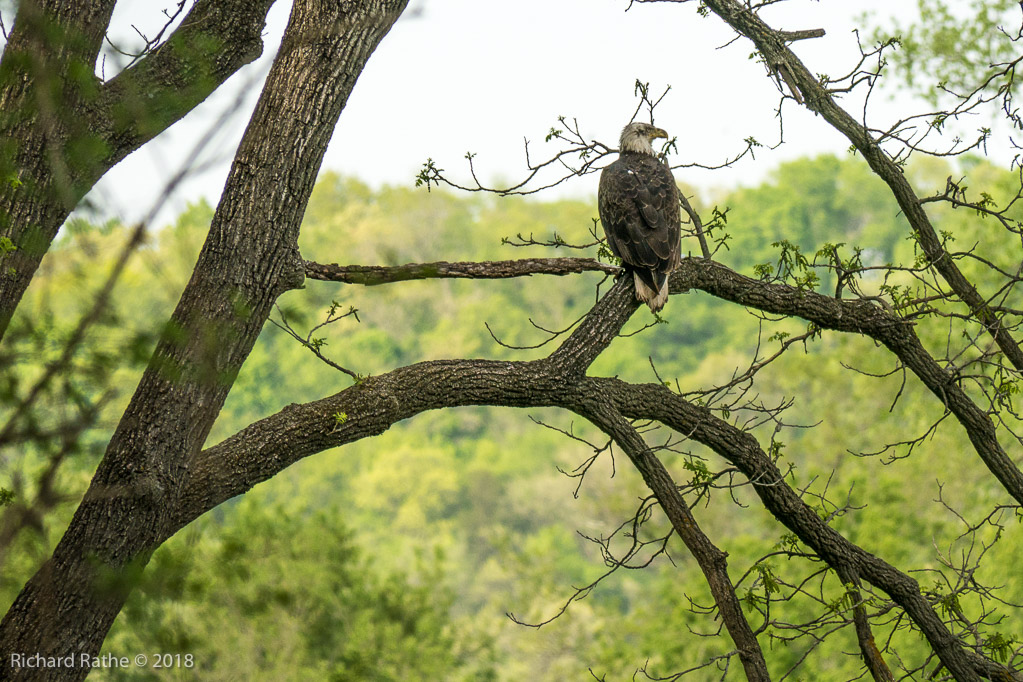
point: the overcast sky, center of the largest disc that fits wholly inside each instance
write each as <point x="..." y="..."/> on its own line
<point x="460" y="75"/>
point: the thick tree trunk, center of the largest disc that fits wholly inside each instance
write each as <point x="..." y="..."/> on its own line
<point x="61" y="128"/>
<point x="250" y="257"/>
<point x="40" y="107"/>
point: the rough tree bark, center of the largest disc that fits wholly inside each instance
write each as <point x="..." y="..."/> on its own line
<point x="250" y="257"/>
<point x="62" y="128"/>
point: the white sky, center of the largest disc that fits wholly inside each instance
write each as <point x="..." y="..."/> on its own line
<point x="460" y="75"/>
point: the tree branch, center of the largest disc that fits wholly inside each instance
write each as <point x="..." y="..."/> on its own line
<point x="872" y="657"/>
<point x="653" y="401"/>
<point x="772" y="44"/>
<point x="213" y="41"/>
<point x="712" y="561"/>
<point x="859" y="317"/>
<point x="793" y="36"/>
<point x="372" y="275"/>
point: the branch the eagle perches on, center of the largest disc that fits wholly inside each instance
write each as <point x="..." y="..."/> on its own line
<point x="560" y="380"/>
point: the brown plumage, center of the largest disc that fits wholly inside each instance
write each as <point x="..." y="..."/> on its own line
<point x="639" y="209"/>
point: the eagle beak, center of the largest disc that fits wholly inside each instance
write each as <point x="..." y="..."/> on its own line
<point x="658" y="132"/>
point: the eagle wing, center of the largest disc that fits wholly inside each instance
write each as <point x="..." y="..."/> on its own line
<point x="639" y="209"/>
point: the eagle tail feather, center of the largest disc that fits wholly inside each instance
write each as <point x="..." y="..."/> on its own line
<point x="655" y="297"/>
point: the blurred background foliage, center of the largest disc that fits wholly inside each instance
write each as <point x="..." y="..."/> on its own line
<point x="398" y="557"/>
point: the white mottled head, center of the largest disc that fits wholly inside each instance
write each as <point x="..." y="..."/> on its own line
<point x="638" y="137"/>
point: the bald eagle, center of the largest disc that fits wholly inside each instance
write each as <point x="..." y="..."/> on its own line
<point x="639" y="209"/>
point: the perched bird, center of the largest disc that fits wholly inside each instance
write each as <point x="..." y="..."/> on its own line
<point x="639" y="209"/>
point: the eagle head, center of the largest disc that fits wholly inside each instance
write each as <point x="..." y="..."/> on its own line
<point x="637" y="137"/>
